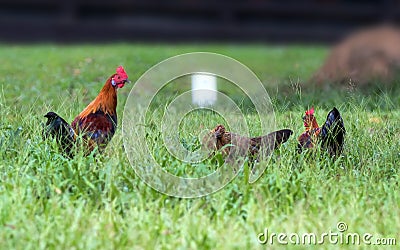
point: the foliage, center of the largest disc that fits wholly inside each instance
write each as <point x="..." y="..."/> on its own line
<point x="49" y="202"/>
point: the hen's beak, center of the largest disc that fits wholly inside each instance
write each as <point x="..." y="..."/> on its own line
<point x="217" y="134"/>
<point x="127" y="81"/>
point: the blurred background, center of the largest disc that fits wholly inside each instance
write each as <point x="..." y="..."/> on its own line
<point x="295" y="47"/>
<point x="278" y="21"/>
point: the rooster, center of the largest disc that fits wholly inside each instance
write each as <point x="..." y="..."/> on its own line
<point x="220" y="139"/>
<point x="96" y="124"/>
<point x="330" y="137"/>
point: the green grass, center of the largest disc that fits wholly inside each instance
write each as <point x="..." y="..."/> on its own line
<point x="49" y="202"/>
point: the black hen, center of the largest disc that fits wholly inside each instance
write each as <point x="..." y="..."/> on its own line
<point x="57" y="127"/>
<point x="332" y="133"/>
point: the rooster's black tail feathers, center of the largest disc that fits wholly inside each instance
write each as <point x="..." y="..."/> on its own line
<point x="332" y="133"/>
<point x="58" y="128"/>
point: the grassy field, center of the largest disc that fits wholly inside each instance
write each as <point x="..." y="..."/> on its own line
<point x="50" y="202"/>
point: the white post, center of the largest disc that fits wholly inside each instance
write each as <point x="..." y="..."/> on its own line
<point x="204" y="89"/>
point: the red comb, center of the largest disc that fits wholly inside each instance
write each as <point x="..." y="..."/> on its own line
<point x="121" y="72"/>
<point x="310" y="111"/>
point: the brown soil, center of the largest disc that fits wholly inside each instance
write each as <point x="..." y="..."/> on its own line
<point x="364" y="57"/>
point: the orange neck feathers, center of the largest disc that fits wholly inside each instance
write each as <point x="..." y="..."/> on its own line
<point x="106" y="101"/>
<point x="310" y="122"/>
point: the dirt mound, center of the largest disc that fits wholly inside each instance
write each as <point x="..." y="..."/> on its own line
<point x="365" y="57"/>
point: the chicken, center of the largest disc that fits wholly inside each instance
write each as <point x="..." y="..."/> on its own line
<point x="330" y="137"/>
<point x="220" y="139"/>
<point x="96" y="124"/>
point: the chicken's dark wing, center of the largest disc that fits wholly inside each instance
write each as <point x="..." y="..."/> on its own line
<point x="97" y="127"/>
